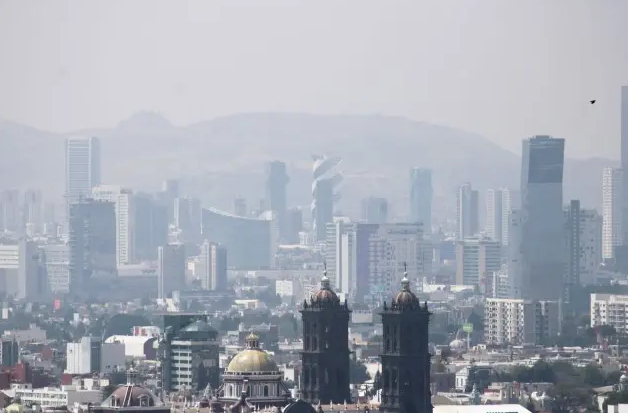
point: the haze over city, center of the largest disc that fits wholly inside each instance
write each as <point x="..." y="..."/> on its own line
<point x="309" y="207"/>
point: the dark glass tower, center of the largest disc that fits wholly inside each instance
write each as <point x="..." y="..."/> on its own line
<point x="325" y="355"/>
<point x="405" y="355"/>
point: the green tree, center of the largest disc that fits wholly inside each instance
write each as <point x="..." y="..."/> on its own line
<point x="357" y="371"/>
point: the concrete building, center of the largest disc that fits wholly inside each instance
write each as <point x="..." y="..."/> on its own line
<point x="92" y="240"/>
<point x="82" y="169"/>
<point x="57" y="266"/>
<point x="612" y="211"/>
<point x="136" y="346"/>
<point x="467" y="212"/>
<point x="583" y="237"/>
<point x="170" y="269"/>
<point x="90" y="355"/>
<point x="33" y="210"/>
<point x="544" y="253"/>
<point x="624" y="159"/>
<point x="213" y="261"/>
<point x="611" y="310"/>
<point x="421" y="194"/>
<point x="56" y="397"/>
<point x="10" y="219"/>
<point x="340" y="254"/>
<point x="22" y="272"/>
<point x="122" y="199"/>
<point x="498" y="208"/>
<point x="518" y="322"/>
<point x="476" y="261"/>
<point x="9" y="351"/>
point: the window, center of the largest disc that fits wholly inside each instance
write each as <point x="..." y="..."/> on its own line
<point x="266" y="390"/>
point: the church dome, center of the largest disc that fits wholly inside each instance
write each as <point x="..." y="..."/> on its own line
<point x="325" y="294"/>
<point x="129" y="395"/>
<point x="252" y="359"/>
<point x="405" y="298"/>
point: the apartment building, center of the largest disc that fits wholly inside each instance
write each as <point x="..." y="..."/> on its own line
<point x="518" y="321"/>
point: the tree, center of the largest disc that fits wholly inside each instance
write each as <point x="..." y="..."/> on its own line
<point x="357" y="371"/>
<point x="476" y="320"/>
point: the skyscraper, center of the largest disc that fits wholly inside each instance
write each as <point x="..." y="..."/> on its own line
<point x="544" y="257"/>
<point x="624" y="158"/>
<point x="612" y="211"/>
<point x="468" y="214"/>
<point x="82" y="168"/>
<point x="498" y="214"/>
<point x="10" y="211"/>
<point x="325" y="180"/>
<point x="170" y="269"/>
<point x="33" y="209"/>
<point x="276" y="182"/>
<point x="123" y="199"/>
<point x="421" y="194"/>
<point x="374" y="210"/>
<point x="213" y="266"/>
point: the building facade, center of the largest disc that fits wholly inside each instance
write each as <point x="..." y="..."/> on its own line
<point x="324" y="183"/>
<point x="421" y="194"/>
<point x="612" y="211"/>
<point x="123" y="201"/>
<point x="498" y="208"/>
<point x="170" y="269"/>
<point x="467" y="212"/>
<point x="518" y="321"/>
<point x="476" y="261"/>
<point x="82" y="168"/>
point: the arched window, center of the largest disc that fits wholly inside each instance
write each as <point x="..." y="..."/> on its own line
<point x="266" y="391"/>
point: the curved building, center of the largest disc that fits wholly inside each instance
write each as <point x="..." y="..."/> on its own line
<point x="250" y="242"/>
<point x="325" y="180"/>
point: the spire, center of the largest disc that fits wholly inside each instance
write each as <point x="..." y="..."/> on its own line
<point x="405" y="282"/>
<point x="325" y="280"/>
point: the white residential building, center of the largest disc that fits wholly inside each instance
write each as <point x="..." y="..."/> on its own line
<point x="517" y="321"/>
<point x="90" y="355"/>
<point x="125" y="219"/>
<point x="48" y="397"/>
<point x="22" y="274"/>
<point x="340" y="254"/>
<point x="57" y="264"/>
<point x="612" y="227"/>
<point x="476" y="261"/>
<point x="610" y="309"/>
<point x="498" y="207"/>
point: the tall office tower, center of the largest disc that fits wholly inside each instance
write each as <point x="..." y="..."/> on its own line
<point x="213" y="266"/>
<point x="187" y="218"/>
<point x="624" y="159"/>
<point x="92" y="240"/>
<point x="82" y="169"/>
<point x="276" y="182"/>
<point x="498" y="214"/>
<point x="340" y="254"/>
<point x="405" y="354"/>
<point x="294" y="224"/>
<point x="468" y="213"/>
<point x="325" y="355"/>
<point x="374" y="210"/>
<point x="239" y="207"/>
<point x="151" y="226"/>
<point x="33" y="209"/>
<point x="325" y="180"/>
<point x="10" y="211"/>
<point x="583" y="236"/>
<point x="171" y="187"/>
<point x="122" y="198"/>
<point x="543" y="248"/>
<point x="612" y="211"/>
<point x="476" y="261"/>
<point x="514" y="278"/>
<point x="22" y="272"/>
<point x="170" y="269"/>
<point x="421" y="194"/>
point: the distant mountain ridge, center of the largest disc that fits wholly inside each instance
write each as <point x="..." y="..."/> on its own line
<point x="223" y="158"/>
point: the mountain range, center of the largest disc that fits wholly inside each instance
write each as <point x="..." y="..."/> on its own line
<point x="221" y="159"/>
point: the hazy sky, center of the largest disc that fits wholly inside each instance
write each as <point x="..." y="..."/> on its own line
<point x="505" y="69"/>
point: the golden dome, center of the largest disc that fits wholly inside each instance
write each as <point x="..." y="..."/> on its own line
<point x="252" y="359"/>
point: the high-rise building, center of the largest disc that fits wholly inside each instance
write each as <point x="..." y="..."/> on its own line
<point x="276" y="200"/>
<point x="518" y="322"/>
<point x="624" y="159"/>
<point x="82" y="169"/>
<point x="421" y="193"/>
<point x="33" y="209"/>
<point x="10" y="219"/>
<point x="22" y="272"/>
<point x="325" y="355"/>
<point x="612" y="211"/>
<point x="187" y="218"/>
<point x="57" y="264"/>
<point x="9" y="351"/>
<point x="91" y="356"/>
<point x="467" y="212"/>
<point x="213" y="266"/>
<point x="92" y="240"/>
<point x="294" y="224"/>
<point x="325" y="180"/>
<point x="151" y="226"/>
<point x="544" y="256"/>
<point x="405" y="354"/>
<point x="170" y="269"/>
<point x="123" y="200"/>
<point x="498" y="214"/>
<point x="340" y="254"/>
<point x="476" y="261"/>
<point x="374" y="210"/>
<point x="583" y="237"/>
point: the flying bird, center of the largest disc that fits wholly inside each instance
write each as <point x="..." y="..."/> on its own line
<point x="592" y="102"/>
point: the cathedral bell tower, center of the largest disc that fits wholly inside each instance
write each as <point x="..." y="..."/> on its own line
<point x="405" y="355"/>
<point x="325" y="355"/>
